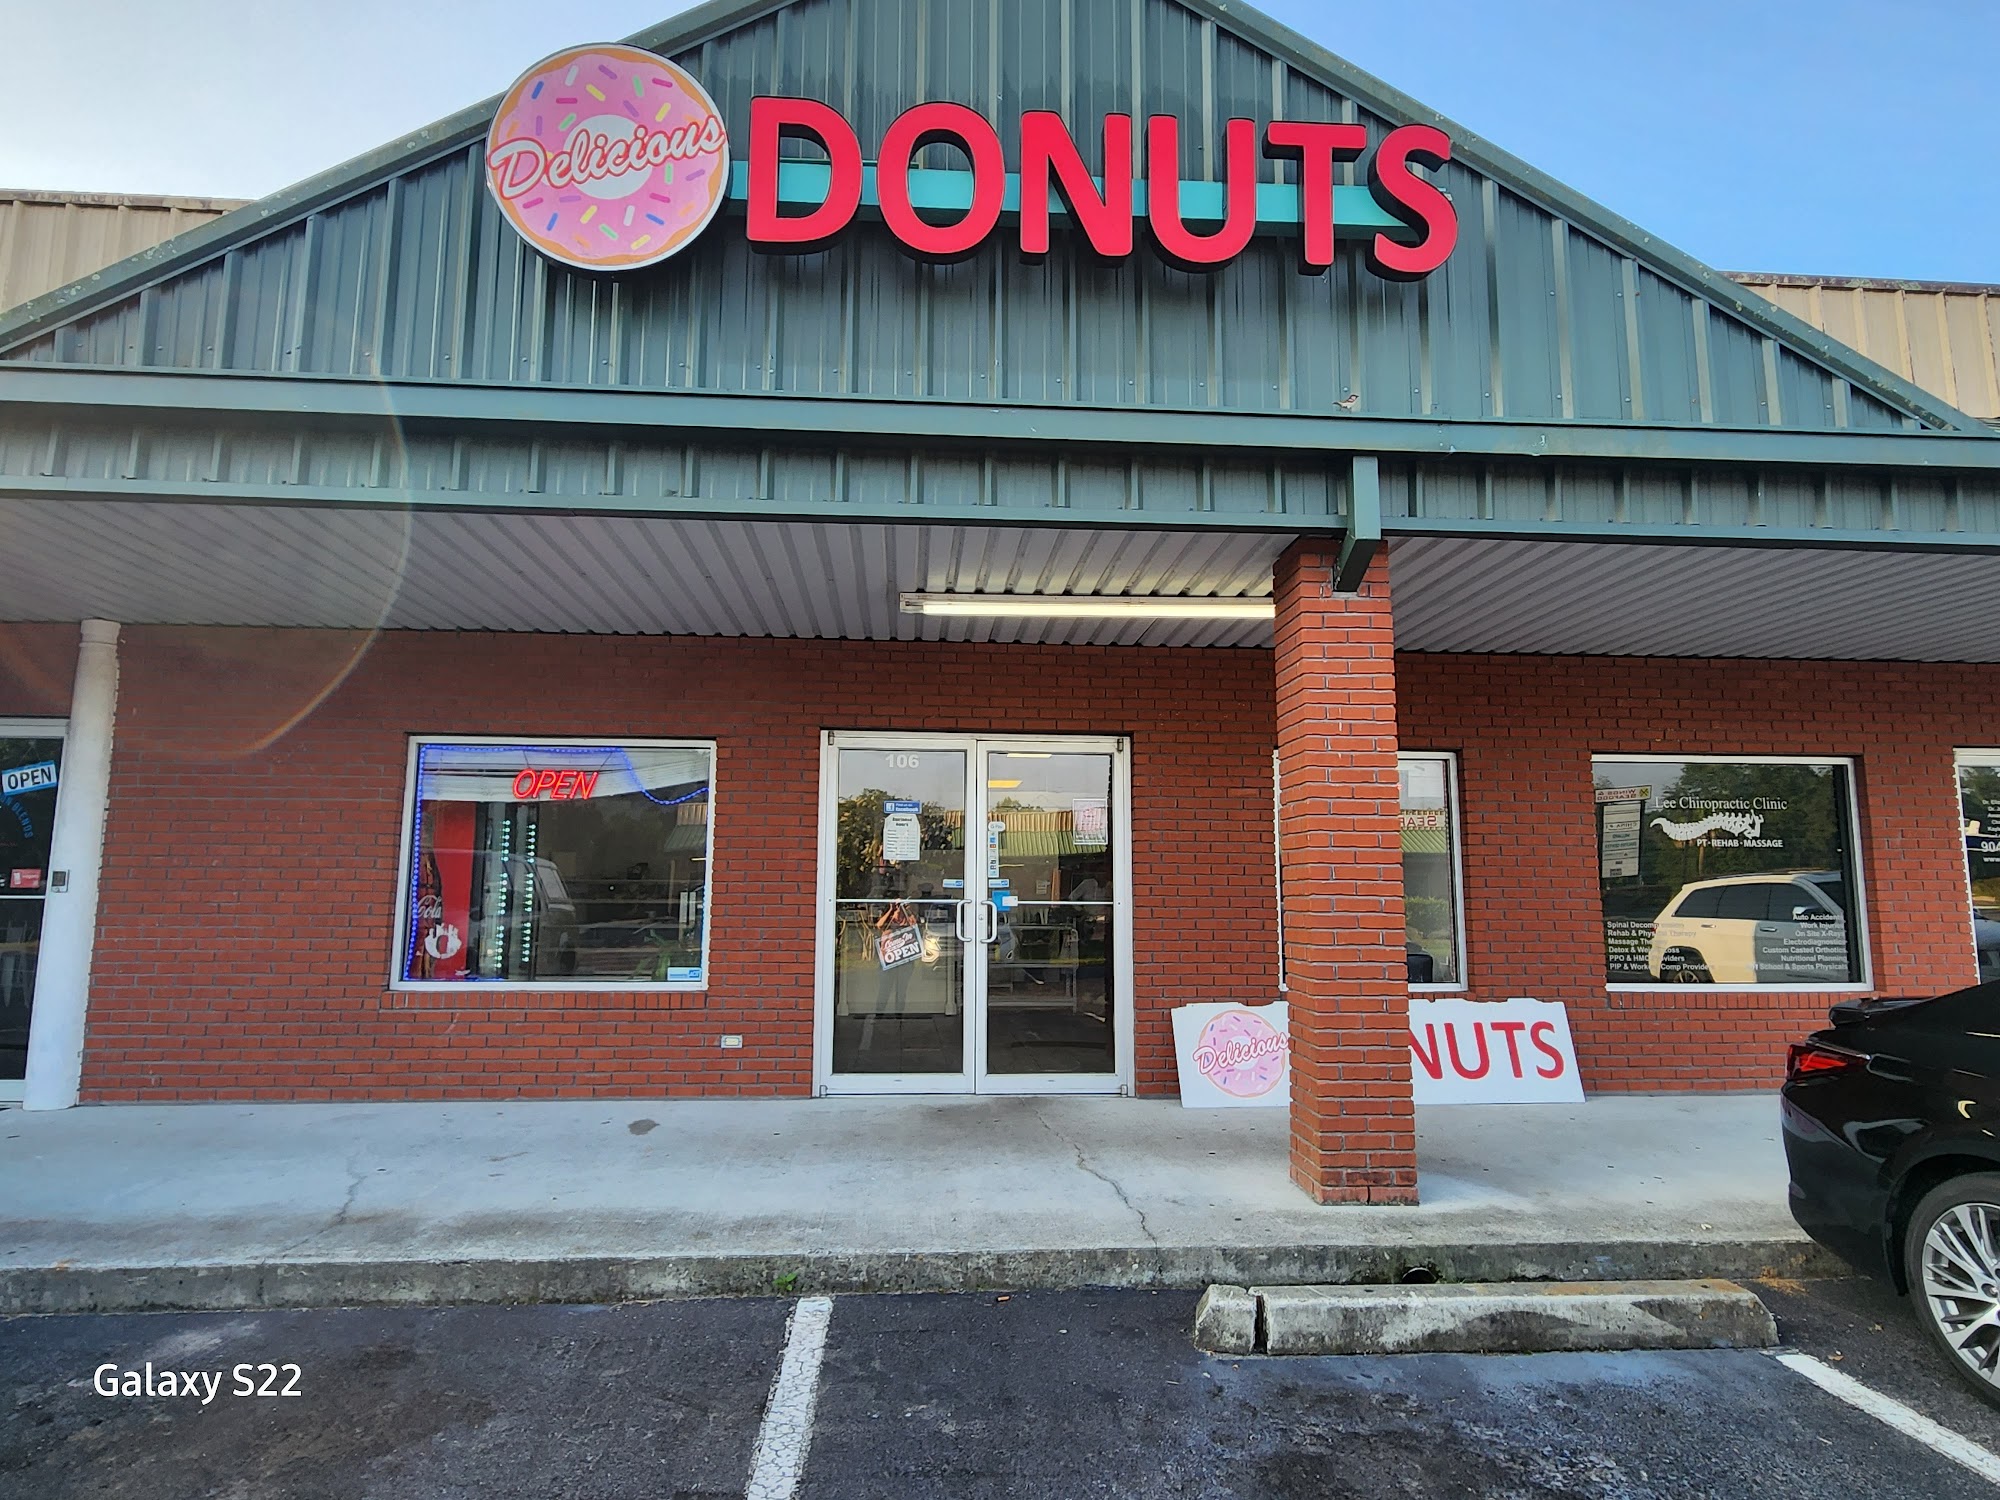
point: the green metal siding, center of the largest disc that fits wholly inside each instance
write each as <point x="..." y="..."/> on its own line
<point x="416" y="277"/>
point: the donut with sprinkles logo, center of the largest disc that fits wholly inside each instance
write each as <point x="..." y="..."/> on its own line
<point x="607" y="157"/>
<point x="1242" y="1054"/>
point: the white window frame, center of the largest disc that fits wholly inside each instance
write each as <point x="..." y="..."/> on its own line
<point x="1959" y="760"/>
<point x="471" y="987"/>
<point x="12" y="1091"/>
<point x="1450" y="758"/>
<point x="1858" y="894"/>
<point x="1454" y="828"/>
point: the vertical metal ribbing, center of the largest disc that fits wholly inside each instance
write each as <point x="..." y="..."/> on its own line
<point x="1843" y="397"/>
<point x="1137" y="11"/>
<point x="225" y="316"/>
<point x="1635" y="380"/>
<point x="1066" y="45"/>
<point x="1208" y="143"/>
<point x="381" y="300"/>
<point x="298" y="305"/>
<point x="139" y="348"/>
<point x="1565" y="360"/>
<point x="996" y="387"/>
<point x="1287" y="376"/>
<point x="463" y="260"/>
<point x="1704" y="373"/>
<point x="1774" y="401"/>
<point x="1489" y="211"/>
<point x="1426" y="377"/>
<point x="538" y="328"/>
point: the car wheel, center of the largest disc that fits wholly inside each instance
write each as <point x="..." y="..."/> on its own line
<point x="1952" y="1255"/>
<point x="1686" y="967"/>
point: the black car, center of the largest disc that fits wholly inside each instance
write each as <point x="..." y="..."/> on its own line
<point x="1892" y="1130"/>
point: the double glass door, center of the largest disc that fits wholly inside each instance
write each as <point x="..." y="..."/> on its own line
<point x="30" y="766"/>
<point x="974" y="918"/>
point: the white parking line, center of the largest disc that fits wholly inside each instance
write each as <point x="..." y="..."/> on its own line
<point x="786" y="1436"/>
<point x="1910" y="1423"/>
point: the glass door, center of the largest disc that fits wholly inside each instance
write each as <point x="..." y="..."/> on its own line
<point x="1052" y="845"/>
<point x="974" y="921"/>
<point x="898" y="921"/>
<point x="30" y="769"/>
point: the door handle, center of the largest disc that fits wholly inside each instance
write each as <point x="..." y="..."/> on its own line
<point x="989" y="922"/>
<point x="958" y="924"/>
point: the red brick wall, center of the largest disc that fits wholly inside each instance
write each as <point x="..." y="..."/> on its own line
<point x="1526" y="727"/>
<point x="249" y="884"/>
<point x="1353" y="1126"/>
<point x="37" y="670"/>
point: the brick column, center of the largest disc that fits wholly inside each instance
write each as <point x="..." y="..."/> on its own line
<point x="1340" y="850"/>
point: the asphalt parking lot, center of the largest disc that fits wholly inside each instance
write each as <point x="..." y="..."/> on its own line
<point x="1058" y="1394"/>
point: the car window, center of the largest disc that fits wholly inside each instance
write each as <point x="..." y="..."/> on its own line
<point x="1702" y="903"/>
<point x="1745" y="903"/>
<point x="1834" y="891"/>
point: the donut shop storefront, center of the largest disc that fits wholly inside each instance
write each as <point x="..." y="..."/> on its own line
<point x="860" y="547"/>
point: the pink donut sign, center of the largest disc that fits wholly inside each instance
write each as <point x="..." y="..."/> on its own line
<point x="607" y="157"/>
<point x="1242" y="1054"/>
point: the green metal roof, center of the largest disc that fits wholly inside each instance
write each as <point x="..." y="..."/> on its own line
<point x="378" y="336"/>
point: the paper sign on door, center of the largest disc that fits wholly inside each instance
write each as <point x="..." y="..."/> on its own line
<point x="902" y="833"/>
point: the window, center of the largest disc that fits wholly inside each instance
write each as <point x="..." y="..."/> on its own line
<point x="1434" y="939"/>
<point x="1433" y="924"/>
<point x="1728" y="872"/>
<point x="1979" y="813"/>
<point x="559" y="864"/>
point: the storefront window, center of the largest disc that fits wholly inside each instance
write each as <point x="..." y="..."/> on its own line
<point x="1728" y="872"/>
<point x="1433" y="944"/>
<point x="1979" y="810"/>
<point x="1433" y="926"/>
<point x="558" y="864"/>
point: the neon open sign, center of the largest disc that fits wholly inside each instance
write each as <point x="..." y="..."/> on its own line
<point x="610" y="159"/>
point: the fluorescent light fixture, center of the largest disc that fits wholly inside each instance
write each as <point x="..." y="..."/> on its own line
<point x="1084" y="607"/>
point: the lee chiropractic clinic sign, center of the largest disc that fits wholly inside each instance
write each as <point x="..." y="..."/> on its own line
<point x="609" y="158"/>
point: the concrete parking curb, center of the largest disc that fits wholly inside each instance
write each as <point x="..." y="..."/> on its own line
<point x="72" y="1287"/>
<point x="1482" y="1318"/>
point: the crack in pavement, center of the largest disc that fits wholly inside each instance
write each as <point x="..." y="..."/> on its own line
<point x="1083" y="1164"/>
<point x="355" y="1177"/>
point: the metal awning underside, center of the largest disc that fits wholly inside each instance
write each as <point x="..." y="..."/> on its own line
<point x="1613" y="599"/>
<point x="332" y="568"/>
<point x="151" y="563"/>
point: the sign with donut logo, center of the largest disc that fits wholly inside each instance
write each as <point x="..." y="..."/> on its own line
<point x="1234" y="1056"/>
<point x="612" y="158"/>
<point x="608" y="158"/>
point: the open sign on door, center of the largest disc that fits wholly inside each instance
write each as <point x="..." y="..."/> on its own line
<point x="1492" y="1052"/>
<point x="40" y="777"/>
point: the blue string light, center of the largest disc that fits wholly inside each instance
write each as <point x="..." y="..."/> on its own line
<point x="426" y="764"/>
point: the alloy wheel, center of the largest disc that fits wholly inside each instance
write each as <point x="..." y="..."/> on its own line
<point x="1961" y="1284"/>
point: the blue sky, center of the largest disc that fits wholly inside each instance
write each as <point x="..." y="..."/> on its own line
<point x="1776" y="135"/>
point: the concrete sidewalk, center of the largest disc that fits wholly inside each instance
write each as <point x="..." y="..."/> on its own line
<point x="305" y="1204"/>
